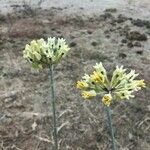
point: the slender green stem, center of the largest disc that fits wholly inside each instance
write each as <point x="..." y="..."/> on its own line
<point x="53" y="106"/>
<point x="111" y="127"/>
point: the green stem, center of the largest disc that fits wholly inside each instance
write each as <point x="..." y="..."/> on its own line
<point x="111" y="127"/>
<point x="53" y="106"/>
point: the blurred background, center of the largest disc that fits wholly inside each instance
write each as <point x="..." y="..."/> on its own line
<point x="115" y="32"/>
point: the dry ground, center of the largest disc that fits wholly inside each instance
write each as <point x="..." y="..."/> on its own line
<point x="24" y="93"/>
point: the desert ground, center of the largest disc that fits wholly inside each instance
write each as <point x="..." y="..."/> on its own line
<point x="115" y="33"/>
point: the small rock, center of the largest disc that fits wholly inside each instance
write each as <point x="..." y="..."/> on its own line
<point x="137" y="44"/>
<point x="138" y="22"/>
<point x="130" y="44"/>
<point x="124" y="30"/>
<point x="141" y="23"/>
<point x="121" y="18"/>
<point x="122" y="55"/>
<point x="89" y="32"/>
<point x="139" y="52"/>
<point x="130" y="18"/>
<point x="124" y="41"/>
<point x="94" y="43"/>
<point x="73" y="44"/>
<point x="111" y="10"/>
<point x="135" y="35"/>
<point x="106" y="16"/>
<point x="107" y="36"/>
<point x="106" y="31"/>
<point x="113" y="22"/>
<point x="53" y="29"/>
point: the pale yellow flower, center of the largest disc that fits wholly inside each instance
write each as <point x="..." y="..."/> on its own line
<point x="41" y="53"/>
<point x="107" y="99"/>
<point x="82" y="85"/>
<point x="88" y="94"/>
<point x="97" y="77"/>
<point x="122" y="85"/>
<point x="100" y="68"/>
<point x="123" y="94"/>
<point x="141" y="83"/>
<point x="118" y="75"/>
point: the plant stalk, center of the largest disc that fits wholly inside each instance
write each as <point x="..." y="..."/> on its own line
<point x="53" y="106"/>
<point x="111" y="128"/>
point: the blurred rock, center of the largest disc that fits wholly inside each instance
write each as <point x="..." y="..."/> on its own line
<point x="130" y="44"/>
<point x="124" y="41"/>
<point x="135" y="35"/>
<point x="111" y="10"/>
<point x="105" y="16"/>
<point x="121" y="18"/>
<point x="73" y="44"/>
<point x="89" y="32"/>
<point x="94" y="43"/>
<point x="140" y="52"/>
<point x="137" y="44"/>
<point x="141" y="23"/>
<point x="122" y="55"/>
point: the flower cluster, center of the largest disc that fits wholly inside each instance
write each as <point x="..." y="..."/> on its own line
<point x="121" y="86"/>
<point x="41" y="53"/>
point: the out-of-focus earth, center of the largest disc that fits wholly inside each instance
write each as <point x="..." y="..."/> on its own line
<point x="115" y="32"/>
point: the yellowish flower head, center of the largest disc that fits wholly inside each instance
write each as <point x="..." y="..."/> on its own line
<point x="82" y="85"/>
<point x="41" y="53"/>
<point x="97" y="77"/>
<point x="107" y="99"/>
<point x="88" y="94"/>
<point x="100" y="68"/>
<point x="122" y="85"/>
<point x="141" y="83"/>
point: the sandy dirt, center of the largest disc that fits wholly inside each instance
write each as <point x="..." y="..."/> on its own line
<point x="112" y="36"/>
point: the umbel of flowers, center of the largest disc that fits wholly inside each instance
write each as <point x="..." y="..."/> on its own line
<point x="122" y="85"/>
<point x="41" y="53"/>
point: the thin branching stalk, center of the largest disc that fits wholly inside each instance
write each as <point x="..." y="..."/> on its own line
<point x="53" y="106"/>
<point x="111" y="127"/>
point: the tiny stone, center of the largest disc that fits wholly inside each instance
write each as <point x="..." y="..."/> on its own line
<point x="130" y="45"/>
<point x="139" y="52"/>
<point x="135" y="35"/>
<point x="124" y="40"/>
<point x="112" y="10"/>
<point x="121" y="18"/>
<point x="89" y="32"/>
<point x="53" y="29"/>
<point x="138" y="44"/>
<point x="107" y="36"/>
<point x="122" y="55"/>
<point x="73" y="44"/>
<point x="94" y="43"/>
